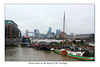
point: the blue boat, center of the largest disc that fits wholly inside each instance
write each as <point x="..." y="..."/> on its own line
<point x="25" y="41"/>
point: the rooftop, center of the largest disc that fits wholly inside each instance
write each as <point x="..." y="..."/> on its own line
<point x="10" y="22"/>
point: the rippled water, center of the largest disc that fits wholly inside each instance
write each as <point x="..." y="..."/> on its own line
<point x="32" y="54"/>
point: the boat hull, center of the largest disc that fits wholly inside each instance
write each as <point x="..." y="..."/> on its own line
<point x="25" y="44"/>
<point x="74" y="56"/>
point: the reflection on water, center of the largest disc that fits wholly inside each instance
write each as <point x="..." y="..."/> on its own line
<point x="32" y="54"/>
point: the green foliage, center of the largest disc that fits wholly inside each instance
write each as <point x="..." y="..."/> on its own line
<point x="82" y="42"/>
<point x="77" y="42"/>
<point x="74" y="42"/>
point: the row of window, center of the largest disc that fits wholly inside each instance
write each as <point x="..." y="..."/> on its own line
<point x="10" y="22"/>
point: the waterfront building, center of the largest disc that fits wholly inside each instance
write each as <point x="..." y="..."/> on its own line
<point x="79" y="37"/>
<point x="75" y="37"/>
<point x="60" y="36"/>
<point x="11" y="29"/>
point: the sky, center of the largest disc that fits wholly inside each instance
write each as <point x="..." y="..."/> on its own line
<point x="79" y="19"/>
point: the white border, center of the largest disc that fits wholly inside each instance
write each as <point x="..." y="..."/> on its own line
<point x="25" y="64"/>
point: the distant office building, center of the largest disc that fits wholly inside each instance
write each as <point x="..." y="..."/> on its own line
<point x="26" y="32"/>
<point x="42" y="36"/>
<point x="49" y="33"/>
<point x="52" y="33"/>
<point x="36" y="33"/>
<point x="58" y="31"/>
<point x="11" y="29"/>
<point x="71" y="33"/>
<point x="50" y="30"/>
<point x="60" y="36"/>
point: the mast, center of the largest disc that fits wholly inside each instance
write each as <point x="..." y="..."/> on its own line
<point x="63" y="27"/>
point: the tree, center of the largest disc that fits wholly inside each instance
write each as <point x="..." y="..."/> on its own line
<point x="82" y="42"/>
<point x="74" y="41"/>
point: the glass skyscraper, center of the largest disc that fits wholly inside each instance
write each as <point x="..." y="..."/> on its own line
<point x="36" y="33"/>
<point x="50" y="30"/>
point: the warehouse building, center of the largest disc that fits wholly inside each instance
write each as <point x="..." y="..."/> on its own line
<point x="11" y="30"/>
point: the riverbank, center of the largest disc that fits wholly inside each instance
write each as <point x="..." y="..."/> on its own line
<point x="12" y="42"/>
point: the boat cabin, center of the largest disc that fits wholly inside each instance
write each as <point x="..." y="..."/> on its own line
<point x="44" y="43"/>
<point x="26" y="40"/>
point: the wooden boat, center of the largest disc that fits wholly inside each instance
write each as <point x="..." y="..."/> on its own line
<point x="34" y="44"/>
<point x="50" y="47"/>
<point x="41" y="45"/>
<point x="77" y="55"/>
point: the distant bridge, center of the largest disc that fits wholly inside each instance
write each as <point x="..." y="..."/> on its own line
<point x="27" y="32"/>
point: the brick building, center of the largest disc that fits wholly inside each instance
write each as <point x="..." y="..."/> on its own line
<point x="11" y="29"/>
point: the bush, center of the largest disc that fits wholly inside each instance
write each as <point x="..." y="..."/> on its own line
<point x="82" y="42"/>
<point x="74" y="41"/>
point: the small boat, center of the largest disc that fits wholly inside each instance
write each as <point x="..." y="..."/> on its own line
<point x="25" y="41"/>
<point x="34" y="44"/>
<point x="43" y="45"/>
<point x="75" y="54"/>
<point x="50" y="47"/>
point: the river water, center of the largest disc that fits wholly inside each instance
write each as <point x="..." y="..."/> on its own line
<point x="19" y="53"/>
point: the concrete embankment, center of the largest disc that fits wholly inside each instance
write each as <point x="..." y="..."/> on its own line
<point x="12" y="42"/>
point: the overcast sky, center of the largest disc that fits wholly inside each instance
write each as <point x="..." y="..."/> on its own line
<point x="79" y="19"/>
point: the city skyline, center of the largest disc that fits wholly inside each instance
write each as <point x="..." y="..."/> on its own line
<point x="78" y="18"/>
